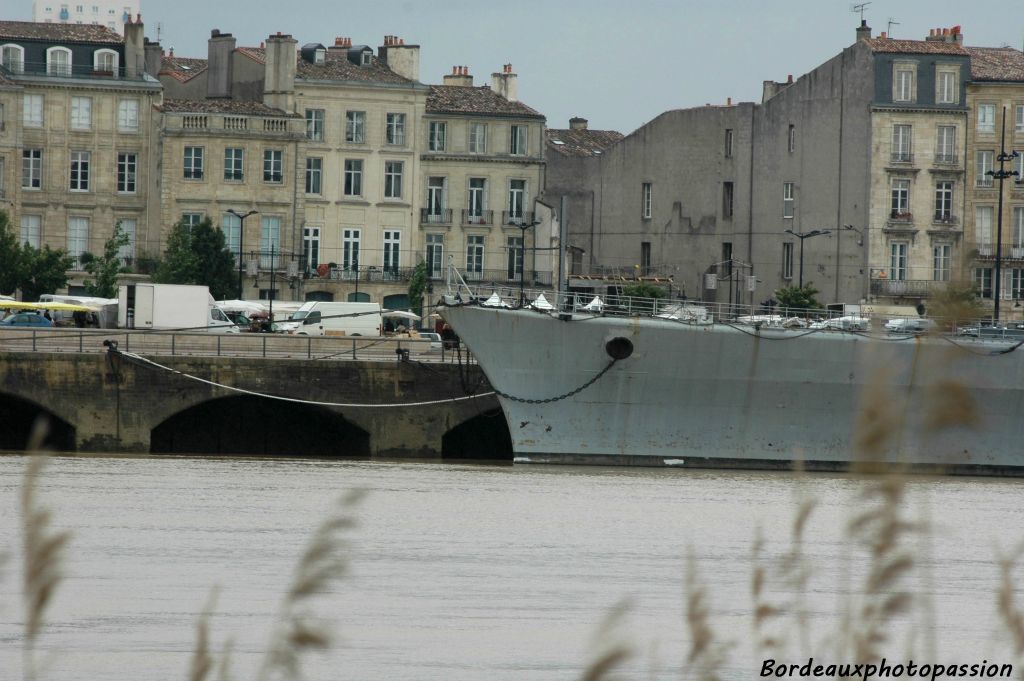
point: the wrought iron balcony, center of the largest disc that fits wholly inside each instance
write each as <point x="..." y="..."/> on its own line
<point x="904" y="157"/>
<point x="504" y="276"/>
<point x="906" y="288"/>
<point x="480" y="217"/>
<point x="946" y="219"/>
<point x="901" y="216"/>
<point x="434" y="216"/>
<point x="943" y="158"/>
<point x="516" y="218"/>
<point x="52" y="70"/>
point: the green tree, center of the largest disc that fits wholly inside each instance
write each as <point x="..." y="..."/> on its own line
<point x="798" y="297"/>
<point x="646" y="291"/>
<point x="11" y="257"/>
<point x="956" y="304"/>
<point x="107" y="267"/>
<point x="199" y="255"/>
<point x="418" y="285"/>
<point x="46" y="270"/>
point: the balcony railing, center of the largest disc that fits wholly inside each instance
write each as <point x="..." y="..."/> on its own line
<point x="516" y="218"/>
<point x="482" y="217"/>
<point x="908" y="288"/>
<point x="504" y="276"/>
<point x="944" y="218"/>
<point x="901" y="157"/>
<point x="901" y="216"/>
<point x="433" y="216"/>
<point x="944" y="158"/>
<point x="29" y="68"/>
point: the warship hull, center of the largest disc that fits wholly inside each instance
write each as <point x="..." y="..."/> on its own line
<point x="727" y="395"/>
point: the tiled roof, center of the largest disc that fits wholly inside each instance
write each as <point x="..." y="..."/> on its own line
<point x="228" y="106"/>
<point x="181" y="68"/>
<point x="914" y="46"/>
<point x="996" y="63"/>
<point x="257" y="54"/>
<point x="582" y="142"/>
<point x="59" y="33"/>
<point x="340" y="68"/>
<point x="456" y="99"/>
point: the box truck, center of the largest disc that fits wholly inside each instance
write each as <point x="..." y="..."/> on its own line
<point x="170" y="307"/>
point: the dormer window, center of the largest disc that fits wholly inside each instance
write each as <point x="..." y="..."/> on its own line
<point x="320" y="56"/>
<point x="366" y="57"/>
<point x="105" y="61"/>
<point x="58" y="61"/>
<point x="13" y="58"/>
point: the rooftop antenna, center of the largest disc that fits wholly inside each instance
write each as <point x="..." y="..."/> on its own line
<point x="891" y="24"/>
<point x="859" y="9"/>
<point x="159" y="27"/>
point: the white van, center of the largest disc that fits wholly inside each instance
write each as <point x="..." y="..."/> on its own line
<point x="319" y="318"/>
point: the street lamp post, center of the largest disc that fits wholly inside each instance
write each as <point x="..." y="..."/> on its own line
<point x="1002" y="174"/>
<point x="522" y="255"/>
<point x="802" y="236"/>
<point x="241" y="232"/>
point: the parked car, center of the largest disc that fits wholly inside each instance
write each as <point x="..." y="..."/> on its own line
<point x="910" y="325"/>
<point x="847" y="323"/>
<point x="434" y="338"/>
<point x="1013" y="332"/>
<point x="30" y="319"/>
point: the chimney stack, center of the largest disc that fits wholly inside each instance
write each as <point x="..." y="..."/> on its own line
<point x="401" y="58"/>
<point x="220" y="55"/>
<point x="863" y="31"/>
<point x="505" y="83"/>
<point x="459" y="77"/>
<point x="134" y="48"/>
<point x="279" y="72"/>
<point x="577" y="123"/>
<point x="153" y="57"/>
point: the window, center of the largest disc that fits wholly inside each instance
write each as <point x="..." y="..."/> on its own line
<point x="516" y="201"/>
<point x="81" y="113"/>
<point x="898" y="261"/>
<point x="435" y="255"/>
<point x="31" y="230"/>
<point x="234" y="164"/>
<point x="127" y="167"/>
<point x="350" y="239"/>
<point x="78" y="239"/>
<point x="1016" y="283"/>
<point x="477" y="199"/>
<point x="645" y="200"/>
<point x="645" y="258"/>
<point x="946" y="87"/>
<point x="514" y="262"/>
<point x="436" y="199"/>
<point x="984" y="167"/>
<point x="393" y="179"/>
<point x="727" y="199"/>
<point x="58" y="61"/>
<point x="314" y="175"/>
<point x="983" y="216"/>
<point x="941" y="270"/>
<point x="475" y="256"/>
<point x="787" y="260"/>
<point x="945" y="148"/>
<point x="105" y="61"/>
<point x="944" y="201"/>
<point x="1018" y="117"/>
<point x="193" y="163"/>
<point x="986" y="118"/>
<point x="231" y="225"/>
<point x="355" y="127"/>
<point x="353" y="177"/>
<point x="1018" y="165"/>
<point x="477" y="138"/>
<point x="438" y="134"/>
<point x="392" y="251"/>
<point x="32" y="114"/>
<point x="315" y="125"/>
<point x="395" y="132"/>
<point x="728" y="142"/>
<point x="1018" y="230"/>
<point x="903" y="83"/>
<point x="190" y="220"/>
<point x="127" y="252"/>
<point x="901" y="139"/>
<point x="80" y="171"/>
<point x="12" y="58"/>
<point x="311" y="247"/>
<point x="270" y="241"/>
<point x="900" y="206"/>
<point x="791" y="143"/>
<point x="32" y="169"/>
<point x="517" y="140"/>
<point x="128" y="115"/>
<point x="273" y="165"/>
<point x="788" y="201"/>
<point x="983" y="281"/>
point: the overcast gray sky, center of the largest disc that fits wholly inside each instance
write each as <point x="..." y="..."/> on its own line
<point x="618" y="63"/>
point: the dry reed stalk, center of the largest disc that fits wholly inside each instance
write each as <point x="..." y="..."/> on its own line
<point x="323" y="562"/>
<point x="706" y="655"/>
<point x="612" y="650"/>
<point x="764" y="611"/>
<point x="1011" y="613"/>
<point x="202" y="660"/>
<point x="42" y="551"/>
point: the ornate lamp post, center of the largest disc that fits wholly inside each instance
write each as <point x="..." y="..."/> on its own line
<point x="802" y="236"/>
<point x="1001" y="175"/>
<point x="241" y="232"/>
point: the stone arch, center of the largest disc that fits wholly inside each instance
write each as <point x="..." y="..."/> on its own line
<point x="19" y="416"/>
<point x="484" y="437"/>
<point x="246" y="425"/>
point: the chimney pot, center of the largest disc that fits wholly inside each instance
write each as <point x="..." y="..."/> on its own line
<point x="263" y="45"/>
<point x="883" y="35"/>
<point x="401" y="41"/>
<point x="138" y="18"/>
<point x="789" y="78"/>
<point x="728" y="101"/>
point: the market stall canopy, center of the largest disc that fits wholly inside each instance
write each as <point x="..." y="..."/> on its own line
<point x="401" y="314"/>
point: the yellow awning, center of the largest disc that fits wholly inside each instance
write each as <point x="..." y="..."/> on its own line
<point x="65" y="307"/>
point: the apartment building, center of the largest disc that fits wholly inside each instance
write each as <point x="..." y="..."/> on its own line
<point x="112" y="14"/>
<point x="995" y="207"/>
<point x="78" y="142"/>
